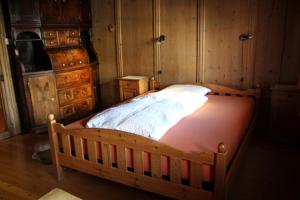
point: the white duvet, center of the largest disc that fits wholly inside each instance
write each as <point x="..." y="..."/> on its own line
<point x="153" y="114"/>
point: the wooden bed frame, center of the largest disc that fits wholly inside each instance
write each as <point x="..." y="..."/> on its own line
<point x="101" y="165"/>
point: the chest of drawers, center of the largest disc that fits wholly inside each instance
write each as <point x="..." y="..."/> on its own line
<point x="131" y="86"/>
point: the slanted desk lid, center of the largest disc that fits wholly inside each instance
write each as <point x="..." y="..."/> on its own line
<point x="62" y="59"/>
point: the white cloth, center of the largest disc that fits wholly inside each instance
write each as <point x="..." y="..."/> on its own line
<point x="153" y="114"/>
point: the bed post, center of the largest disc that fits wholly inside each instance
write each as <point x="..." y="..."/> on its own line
<point x="220" y="173"/>
<point x="54" y="146"/>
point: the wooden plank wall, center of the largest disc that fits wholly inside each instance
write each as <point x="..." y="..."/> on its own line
<point x="201" y="41"/>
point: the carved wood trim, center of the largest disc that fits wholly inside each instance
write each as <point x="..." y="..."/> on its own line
<point x="156" y="34"/>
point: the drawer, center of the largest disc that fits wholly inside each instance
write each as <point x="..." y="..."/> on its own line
<point x="72" y="94"/>
<point x="51" y="43"/>
<point x="129" y="93"/>
<point x="77" y="109"/>
<point x="73" y="42"/>
<point x="50" y="34"/>
<point x="129" y="84"/>
<point x="73" y="77"/>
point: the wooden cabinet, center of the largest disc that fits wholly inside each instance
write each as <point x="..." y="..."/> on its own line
<point x="43" y="97"/>
<point x="24" y="12"/>
<point x="131" y="86"/>
<point x="85" y="13"/>
<point x="61" y="38"/>
<point x="50" y="11"/>
<point x="57" y="12"/>
<point x="70" y="11"/>
<point x="285" y="114"/>
<point x="55" y="67"/>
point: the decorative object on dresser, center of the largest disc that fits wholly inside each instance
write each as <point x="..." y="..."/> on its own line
<point x="285" y="114"/>
<point x="131" y="86"/>
<point x="55" y="66"/>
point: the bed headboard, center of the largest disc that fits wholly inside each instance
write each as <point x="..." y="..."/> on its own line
<point x="216" y="89"/>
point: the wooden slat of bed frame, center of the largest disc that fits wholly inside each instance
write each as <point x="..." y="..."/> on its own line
<point x="66" y="144"/>
<point x="138" y="161"/>
<point x="196" y="174"/>
<point x="176" y="191"/>
<point x="78" y="147"/>
<point x="105" y="155"/>
<point x="156" y="165"/>
<point x="175" y="170"/>
<point x="121" y="157"/>
<point x="92" y="150"/>
<point x="133" y="141"/>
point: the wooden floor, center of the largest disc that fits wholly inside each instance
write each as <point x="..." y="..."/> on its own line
<point x="267" y="171"/>
<point x="23" y="178"/>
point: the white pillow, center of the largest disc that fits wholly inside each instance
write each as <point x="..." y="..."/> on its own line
<point x="177" y="88"/>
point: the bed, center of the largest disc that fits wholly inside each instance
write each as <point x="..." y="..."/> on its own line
<point x="195" y="159"/>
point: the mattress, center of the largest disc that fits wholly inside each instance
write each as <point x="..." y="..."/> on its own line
<point x="221" y="119"/>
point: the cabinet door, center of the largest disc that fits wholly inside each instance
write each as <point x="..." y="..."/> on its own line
<point x="50" y="11"/>
<point x="43" y="97"/>
<point x="85" y="12"/>
<point x="2" y="116"/>
<point x="24" y="11"/>
<point x="70" y="11"/>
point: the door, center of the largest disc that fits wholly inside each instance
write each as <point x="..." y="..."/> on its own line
<point x="43" y="97"/>
<point x="2" y="114"/>
<point x="179" y="49"/>
<point x="24" y="11"/>
<point x="227" y="52"/>
<point x="50" y="11"/>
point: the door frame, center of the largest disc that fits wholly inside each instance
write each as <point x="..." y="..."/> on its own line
<point x="9" y="98"/>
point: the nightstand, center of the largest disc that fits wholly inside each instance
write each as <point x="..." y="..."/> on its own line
<point x="285" y="114"/>
<point x="131" y="86"/>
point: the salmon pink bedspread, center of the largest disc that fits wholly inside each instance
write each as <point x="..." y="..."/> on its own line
<point x="221" y="119"/>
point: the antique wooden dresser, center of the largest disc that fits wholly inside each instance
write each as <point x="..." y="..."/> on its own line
<point x="54" y="63"/>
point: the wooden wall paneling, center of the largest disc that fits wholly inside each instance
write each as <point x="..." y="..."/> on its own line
<point x="104" y="41"/>
<point x="269" y="41"/>
<point x="290" y="66"/>
<point x="224" y="23"/>
<point x="179" y="50"/>
<point x="137" y="37"/>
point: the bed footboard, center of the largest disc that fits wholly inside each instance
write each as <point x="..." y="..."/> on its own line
<point x="88" y="150"/>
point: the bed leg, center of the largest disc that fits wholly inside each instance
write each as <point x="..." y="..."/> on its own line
<point x="54" y="146"/>
<point x="220" y="173"/>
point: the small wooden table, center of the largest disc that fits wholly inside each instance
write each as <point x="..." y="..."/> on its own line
<point x="131" y="86"/>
